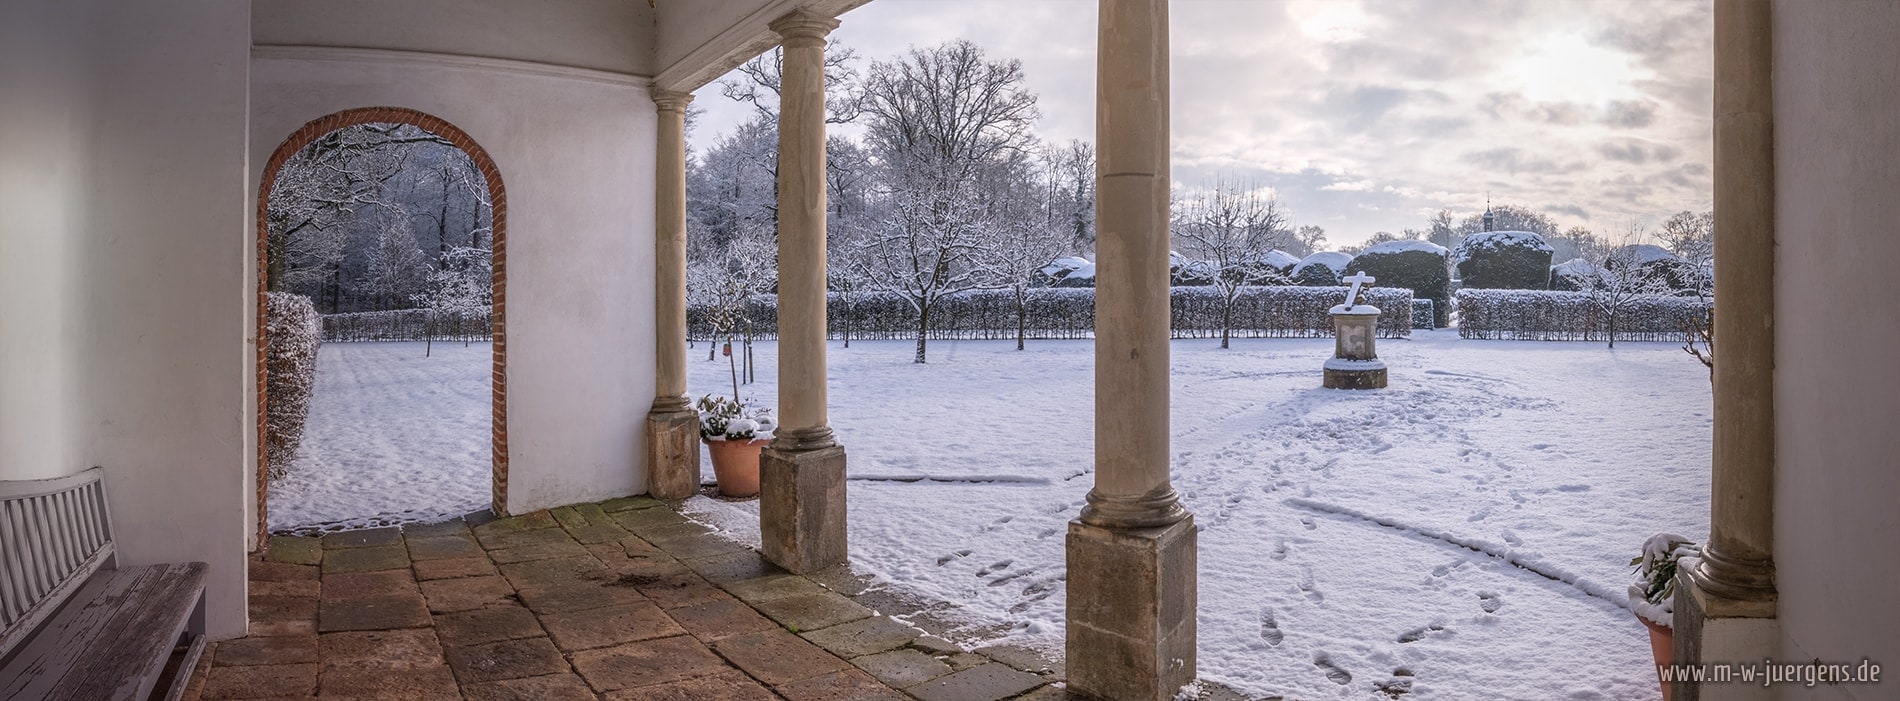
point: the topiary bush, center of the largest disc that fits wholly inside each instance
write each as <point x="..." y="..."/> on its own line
<point x="1652" y="267"/>
<point x="1418" y="265"/>
<point x="292" y="330"/>
<point x="1504" y="260"/>
<point x="1321" y="269"/>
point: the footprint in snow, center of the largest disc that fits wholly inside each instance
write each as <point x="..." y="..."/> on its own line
<point x="1490" y="601"/>
<point x="1416" y="634"/>
<point x="1307" y="521"/>
<point x="1270" y="629"/>
<point x="1399" y="685"/>
<point x="945" y="560"/>
<point x="1334" y="672"/>
<point x="995" y="567"/>
<point x="1573" y="488"/>
<point x="1279" y="549"/>
<point x="1512" y="539"/>
<point x="1481" y="515"/>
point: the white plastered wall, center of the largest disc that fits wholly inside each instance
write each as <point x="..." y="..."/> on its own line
<point x="123" y="224"/>
<point x="575" y="149"/>
<point x="1837" y="325"/>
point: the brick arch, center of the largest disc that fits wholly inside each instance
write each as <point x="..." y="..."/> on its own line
<point x="316" y="129"/>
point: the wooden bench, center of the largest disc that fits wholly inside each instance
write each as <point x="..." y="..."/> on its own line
<point x="75" y="625"/>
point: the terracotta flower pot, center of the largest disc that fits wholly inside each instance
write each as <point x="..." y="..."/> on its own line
<point x="1662" y="646"/>
<point x="736" y="465"/>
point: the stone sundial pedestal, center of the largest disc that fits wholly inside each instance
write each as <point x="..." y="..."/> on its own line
<point x="1355" y="364"/>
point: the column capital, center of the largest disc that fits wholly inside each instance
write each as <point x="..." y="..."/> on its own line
<point x="671" y="100"/>
<point x="802" y="27"/>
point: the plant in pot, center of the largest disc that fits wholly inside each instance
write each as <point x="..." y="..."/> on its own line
<point x="1653" y="594"/>
<point x="734" y="432"/>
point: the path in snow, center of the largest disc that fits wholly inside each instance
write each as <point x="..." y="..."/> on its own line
<point x="392" y="437"/>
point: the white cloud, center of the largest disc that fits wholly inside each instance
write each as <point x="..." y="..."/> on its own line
<point x="1595" y="106"/>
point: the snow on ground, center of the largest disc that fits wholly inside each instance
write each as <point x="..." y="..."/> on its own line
<point x="392" y="437"/>
<point x="1466" y="531"/>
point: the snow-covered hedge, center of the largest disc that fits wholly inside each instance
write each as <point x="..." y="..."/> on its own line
<point x="1542" y="315"/>
<point x="1421" y="266"/>
<point x="1504" y="260"/>
<point x="1322" y="269"/>
<point x="406" y="325"/>
<point x="1422" y="317"/>
<point x="1259" y="312"/>
<point x="290" y="373"/>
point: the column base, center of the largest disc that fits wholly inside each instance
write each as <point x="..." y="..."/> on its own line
<point x="1132" y="601"/>
<point x="1713" y="630"/>
<point x="802" y="508"/>
<point x="672" y="454"/>
<point x="1354" y="374"/>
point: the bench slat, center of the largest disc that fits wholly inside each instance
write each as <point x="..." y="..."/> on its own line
<point x="112" y="639"/>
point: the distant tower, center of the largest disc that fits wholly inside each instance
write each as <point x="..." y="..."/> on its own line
<point x="1490" y="219"/>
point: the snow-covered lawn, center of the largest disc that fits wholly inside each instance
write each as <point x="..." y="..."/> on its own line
<point x="1467" y="530"/>
<point x="392" y="437"/>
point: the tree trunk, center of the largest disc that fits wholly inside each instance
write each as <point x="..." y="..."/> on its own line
<point x="1226" y="322"/>
<point x="923" y="330"/>
<point x="1021" y="313"/>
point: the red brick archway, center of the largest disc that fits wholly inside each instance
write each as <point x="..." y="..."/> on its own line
<point x="499" y="213"/>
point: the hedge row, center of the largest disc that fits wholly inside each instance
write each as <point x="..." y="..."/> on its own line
<point x="1542" y="315"/>
<point x="405" y="325"/>
<point x="1422" y="314"/>
<point x="290" y="375"/>
<point x="1259" y="312"/>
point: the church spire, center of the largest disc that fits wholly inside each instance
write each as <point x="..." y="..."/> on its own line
<point x="1490" y="220"/>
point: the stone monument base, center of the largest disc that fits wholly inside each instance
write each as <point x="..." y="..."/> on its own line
<point x="802" y="508"/>
<point x="1355" y="374"/>
<point x="1131" y="610"/>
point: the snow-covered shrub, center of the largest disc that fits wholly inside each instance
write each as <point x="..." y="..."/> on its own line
<point x="1422" y="317"/>
<point x="1322" y="269"/>
<point x="1058" y="273"/>
<point x="1574" y="275"/>
<point x="472" y="324"/>
<point x="1417" y="265"/>
<point x="1059" y="313"/>
<point x="1653" y="266"/>
<point x="1504" y="260"/>
<point x="722" y="419"/>
<point x="1543" y="315"/>
<point x="1281" y="261"/>
<point x="1653" y="594"/>
<point x="290" y="374"/>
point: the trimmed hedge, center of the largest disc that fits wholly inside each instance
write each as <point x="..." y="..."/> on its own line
<point x="290" y="374"/>
<point x="1417" y="265"/>
<point x="1057" y="313"/>
<point x="1422" y="317"/>
<point x="1504" y="260"/>
<point x="406" y="325"/>
<point x="1542" y="315"/>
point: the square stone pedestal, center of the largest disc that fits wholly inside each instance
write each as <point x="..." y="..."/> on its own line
<point x="802" y="508"/>
<point x="1132" y="598"/>
<point x="1716" y="631"/>
<point x="672" y="454"/>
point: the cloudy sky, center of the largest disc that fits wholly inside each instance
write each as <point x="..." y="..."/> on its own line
<point x="1369" y="115"/>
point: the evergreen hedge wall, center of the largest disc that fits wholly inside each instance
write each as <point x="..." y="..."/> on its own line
<point x="1542" y="315"/>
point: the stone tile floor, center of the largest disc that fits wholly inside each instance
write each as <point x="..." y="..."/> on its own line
<point x="624" y="599"/>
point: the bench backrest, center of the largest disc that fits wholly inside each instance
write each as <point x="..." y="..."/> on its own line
<point x="53" y="535"/>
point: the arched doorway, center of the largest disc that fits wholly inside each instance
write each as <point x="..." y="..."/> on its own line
<point x="497" y="196"/>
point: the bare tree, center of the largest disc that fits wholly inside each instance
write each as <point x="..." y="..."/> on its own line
<point x="1617" y="277"/>
<point x="941" y="121"/>
<point x="1233" y="226"/>
<point x="762" y="75"/>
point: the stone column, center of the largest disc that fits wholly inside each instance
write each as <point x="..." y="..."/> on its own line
<point x="1131" y="555"/>
<point x="1725" y="608"/>
<point x="672" y="426"/>
<point x="801" y="475"/>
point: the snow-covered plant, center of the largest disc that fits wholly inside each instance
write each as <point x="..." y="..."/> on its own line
<point x="291" y="335"/>
<point x="722" y="419"/>
<point x="1508" y="260"/>
<point x="1652" y="595"/>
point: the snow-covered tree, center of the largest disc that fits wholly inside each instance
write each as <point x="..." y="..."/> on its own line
<point x="460" y="290"/>
<point x="940" y="121"/>
<point x="1621" y="276"/>
<point x="1232" y="226"/>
